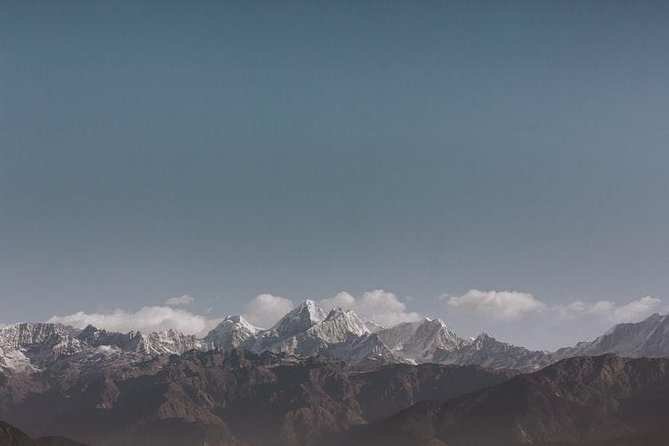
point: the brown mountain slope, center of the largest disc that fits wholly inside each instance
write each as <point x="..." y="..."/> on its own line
<point x="234" y="398"/>
<point x="603" y="400"/>
<point x="11" y="436"/>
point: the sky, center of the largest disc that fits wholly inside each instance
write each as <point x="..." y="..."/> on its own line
<point x="501" y="165"/>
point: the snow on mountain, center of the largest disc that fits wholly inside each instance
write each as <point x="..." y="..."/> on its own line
<point x="418" y="341"/>
<point x="170" y="342"/>
<point x="340" y="334"/>
<point x="15" y="360"/>
<point x="394" y="337"/>
<point x="366" y="350"/>
<point x="95" y="337"/>
<point x="233" y="332"/>
<point x="373" y="327"/>
<point x="343" y="335"/>
<point x="26" y="335"/>
<point x="38" y="342"/>
<point x="339" y="326"/>
<point x="308" y="330"/>
<point x="486" y="351"/>
<point x="164" y="342"/>
<point x="648" y="338"/>
<point x="300" y="319"/>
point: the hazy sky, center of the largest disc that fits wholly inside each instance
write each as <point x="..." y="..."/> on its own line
<point x="227" y="149"/>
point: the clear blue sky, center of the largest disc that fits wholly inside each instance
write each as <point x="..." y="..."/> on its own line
<point x="224" y="149"/>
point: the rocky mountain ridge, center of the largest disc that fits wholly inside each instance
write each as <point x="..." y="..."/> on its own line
<point x="221" y="398"/>
<point x="339" y="333"/>
<point x="604" y="400"/>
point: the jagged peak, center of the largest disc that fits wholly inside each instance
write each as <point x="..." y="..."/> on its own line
<point x="434" y="321"/>
<point x="347" y="315"/>
<point x="341" y="312"/>
<point x="91" y="328"/>
<point x="305" y="315"/>
<point x="373" y="327"/>
<point x="237" y="321"/>
<point x="653" y="320"/>
<point x="37" y="329"/>
<point x="483" y="336"/>
<point x="311" y="307"/>
<point x="41" y="325"/>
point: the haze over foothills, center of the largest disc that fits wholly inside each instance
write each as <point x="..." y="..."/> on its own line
<point x="163" y="164"/>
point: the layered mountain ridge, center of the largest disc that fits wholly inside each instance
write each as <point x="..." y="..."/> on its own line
<point x="319" y="376"/>
<point x="604" y="400"/>
<point x="221" y="398"/>
<point x="308" y="330"/>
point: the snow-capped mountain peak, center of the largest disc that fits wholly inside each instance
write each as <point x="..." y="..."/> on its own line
<point x="28" y="334"/>
<point x="339" y="325"/>
<point x="649" y="337"/>
<point x="38" y="342"/>
<point x="303" y="317"/>
<point x="373" y="326"/>
<point x="232" y="332"/>
<point x="419" y="340"/>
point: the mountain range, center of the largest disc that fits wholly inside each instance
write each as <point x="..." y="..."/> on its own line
<point x="340" y="334"/>
<point x="319" y="377"/>
<point x="603" y="400"/>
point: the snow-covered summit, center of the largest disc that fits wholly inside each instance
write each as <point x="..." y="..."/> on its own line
<point x="419" y="340"/>
<point x="232" y="332"/>
<point x="338" y="326"/>
<point x="303" y="317"/>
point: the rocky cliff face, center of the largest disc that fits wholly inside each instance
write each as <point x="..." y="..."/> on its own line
<point x="157" y="343"/>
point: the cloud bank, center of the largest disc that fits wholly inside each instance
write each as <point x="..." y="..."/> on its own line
<point x="266" y="309"/>
<point x="513" y="305"/>
<point x="146" y="320"/>
<point x="380" y="306"/>
<point x="518" y="316"/>
<point x="610" y="311"/>
<point x="501" y="305"/>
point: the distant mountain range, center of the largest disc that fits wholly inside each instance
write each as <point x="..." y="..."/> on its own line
<point x="317" y="377"/>
<point x="340" y="334"/>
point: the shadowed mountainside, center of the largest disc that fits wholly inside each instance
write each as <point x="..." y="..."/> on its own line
<point x="605" y="400"/>
<point x="233" y="398"/>
<point x="11" y="436"/>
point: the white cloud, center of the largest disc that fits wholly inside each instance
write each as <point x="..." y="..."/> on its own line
<point x="146" y="320"/>
<point x="342" y="299"/>
<point x="610" y="311"/>
<point x="501" y="305"/>
<point x="513" y="305"/>
<point x="379" y="306"/>
<point x="266" y="309"/>
<point x="183" y="300"/>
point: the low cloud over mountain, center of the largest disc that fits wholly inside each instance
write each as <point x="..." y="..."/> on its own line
<point x="519" y="317"/>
